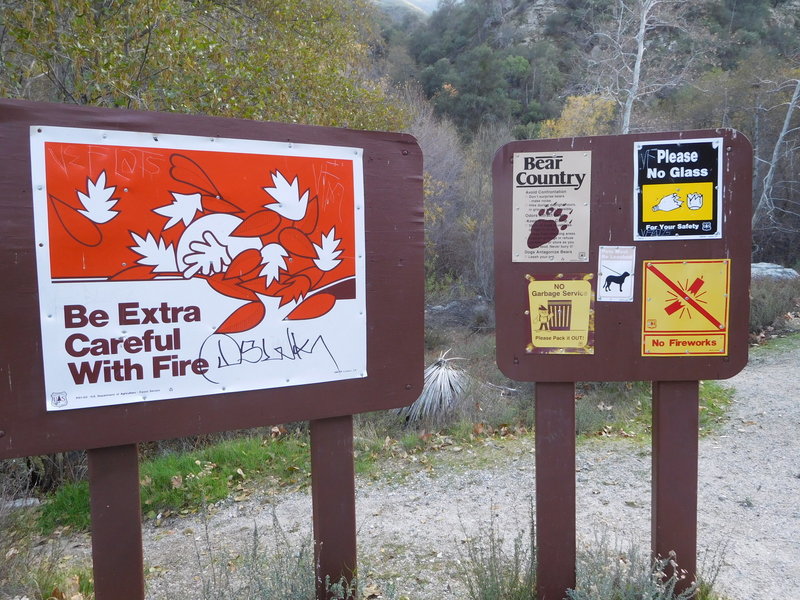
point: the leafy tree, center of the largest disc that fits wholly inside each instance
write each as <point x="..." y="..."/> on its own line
<point x="445" y="258"/>
<point x="477" y="66"/>
<point x="582" y="115"/>
<point x="476" y="219"/>
<point x="287" y="60"/>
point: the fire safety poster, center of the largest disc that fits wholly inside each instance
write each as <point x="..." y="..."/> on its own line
<point x="172" y="266"/>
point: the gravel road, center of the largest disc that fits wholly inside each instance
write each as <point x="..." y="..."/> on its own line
<point x="413" y="523"/>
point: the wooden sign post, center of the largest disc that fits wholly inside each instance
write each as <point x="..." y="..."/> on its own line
<point x="171" y="275"/>
<point x="116" y="522"/>
<point x="555" y="488"/>
<point x="333" y="496"/>
<point x="621" y="258"/>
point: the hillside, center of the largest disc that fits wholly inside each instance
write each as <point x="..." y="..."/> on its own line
<point x="425" y="7"/>
<point x="559" y="68"/>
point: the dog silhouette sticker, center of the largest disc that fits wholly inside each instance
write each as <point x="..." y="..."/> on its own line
<point x="615" y="279"/>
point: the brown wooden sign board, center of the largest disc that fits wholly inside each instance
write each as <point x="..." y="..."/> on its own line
<point x="119" y="194"/>
<point x="623" y="258"/>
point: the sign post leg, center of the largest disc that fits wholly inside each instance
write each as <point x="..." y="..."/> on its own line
<point x="555" y="489"/>
<point x="334" y="501"/>
<point x="674" y="492"/>
<point x="117" y="555"/>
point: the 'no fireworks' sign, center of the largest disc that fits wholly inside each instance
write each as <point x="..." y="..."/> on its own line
<point x="174" y="265"/>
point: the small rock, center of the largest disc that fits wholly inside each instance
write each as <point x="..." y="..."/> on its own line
<point x="773" y="271"/>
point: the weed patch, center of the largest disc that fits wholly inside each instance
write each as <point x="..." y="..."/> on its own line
<point x="492" y="571"/>
<point x="607" y="570"/>
<point x="67" y="507"/>
<point x="777" y="344"/>
<point x="31" y="567"/>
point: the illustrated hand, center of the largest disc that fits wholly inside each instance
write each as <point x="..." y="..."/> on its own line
<point x="668" y="203"/>
<point x="208" y="256"/>
<point x="694" y="201"/>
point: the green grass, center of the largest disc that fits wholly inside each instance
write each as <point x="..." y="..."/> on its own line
<point x="182" y="483"/>
<point x="776" y="345"/>
<point x="715" y="399"/>
<point x="625" y="409"/>
<point x="67" y="507"/>
<point x="50" y="579"/>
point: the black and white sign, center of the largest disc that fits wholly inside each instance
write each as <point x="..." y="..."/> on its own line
<point x="677" y="189"/>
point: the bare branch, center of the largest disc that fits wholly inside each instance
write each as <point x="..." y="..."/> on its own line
<point x="766" y="204"/>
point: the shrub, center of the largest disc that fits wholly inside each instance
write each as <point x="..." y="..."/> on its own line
<point x="272" y="567"/>
<point x="771" y="299"/>
<point x="489" y="572"/>
<point x="605" y="571"/>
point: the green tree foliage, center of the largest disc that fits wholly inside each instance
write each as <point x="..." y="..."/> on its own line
<point x="560" y="68"/>
<point x="478" y="68"/>
<point x="741" y="26"/>
<point x="288" y="60"/>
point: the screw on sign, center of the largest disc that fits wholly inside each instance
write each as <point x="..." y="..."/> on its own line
<point x="693" y="298"/>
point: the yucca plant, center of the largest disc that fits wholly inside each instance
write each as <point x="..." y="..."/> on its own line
<point x="444" y="385"/>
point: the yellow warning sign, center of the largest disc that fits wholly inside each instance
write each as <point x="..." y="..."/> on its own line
<point x="685" y="306"/>
<point x="667" y="202"/>
<point x="562" y="319"/>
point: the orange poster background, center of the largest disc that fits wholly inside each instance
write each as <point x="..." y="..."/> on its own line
<point x="144" y="179"/>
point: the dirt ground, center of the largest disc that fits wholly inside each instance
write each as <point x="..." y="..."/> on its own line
<point x="412" y="521"/>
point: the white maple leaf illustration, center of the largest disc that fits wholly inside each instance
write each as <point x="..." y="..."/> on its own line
<point x="184" y="207"/>
<point x="207" y="255"/>
<point x="155" y="253"/>
<point x="97" y="201"/>
<point x="273" y="259"/>
<point x="289" y="202"/>
<point x="327" y="254"/>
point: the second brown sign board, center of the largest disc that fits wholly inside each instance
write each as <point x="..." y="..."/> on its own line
<point x="623" y="257"/>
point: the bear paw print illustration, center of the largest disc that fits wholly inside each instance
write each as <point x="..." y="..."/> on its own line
<point x="550" y="223"/>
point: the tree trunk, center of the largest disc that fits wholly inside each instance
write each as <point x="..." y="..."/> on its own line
<point x="633" y="91"/>
<point x="766" y="204"/>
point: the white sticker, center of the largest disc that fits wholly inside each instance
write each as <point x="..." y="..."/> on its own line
<point x="615" y="268"/>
